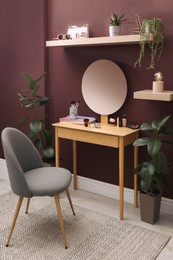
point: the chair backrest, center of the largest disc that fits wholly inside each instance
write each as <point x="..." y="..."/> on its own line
<point x="21" y="156"/>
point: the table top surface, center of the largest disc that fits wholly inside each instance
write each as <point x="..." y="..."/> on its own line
<point x="104" y="129"/>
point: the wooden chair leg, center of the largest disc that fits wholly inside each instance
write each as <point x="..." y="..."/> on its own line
<point x="57" y="202"/>
<point x="27" y="205"/>
<point x="70" y="201"/>
<point x="19" y="203"/>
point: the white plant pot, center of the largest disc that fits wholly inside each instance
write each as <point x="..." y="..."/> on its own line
<point x="158" y="86"/>
<point x="114" y="30"/>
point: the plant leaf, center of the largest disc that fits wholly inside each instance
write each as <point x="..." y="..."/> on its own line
<point x="146" y="127"/>
<point x="146" y="173"/>
<point x="38" y="144"/>
<point x="26" y="105"/>
<point x="23" y="120"/>
<point x="31" y="135"/>
<point x="27" y="77"/>
<point x="48" y="152"/>
<point x="142" y="141"/>
<point x="153" y="147"/>
<point x="166" y="131"/>
<point x="160" y="162"/>
<point x="43" y="100"/>
<point x="159" y="123"/>
<point x="34" y="85"/>
<point x="160" y="182"/>
<point x="41" y="76"/>
<point x="47" y="135"/>
<point x="35" y="126"/>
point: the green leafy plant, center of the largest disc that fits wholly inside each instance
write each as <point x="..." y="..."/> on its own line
<point x="35" y="117"/>
<point x="116" y="19"/>
<point x="153" y="172"/>
<point x="151" y="35"/>
<point x="158" y="76"/>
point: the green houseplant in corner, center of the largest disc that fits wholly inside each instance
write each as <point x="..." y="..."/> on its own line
<point x="114" y="24"/>
<point x="34" y="104"/>
<point x="153" y="172"/>
<point x="151" y="35"/>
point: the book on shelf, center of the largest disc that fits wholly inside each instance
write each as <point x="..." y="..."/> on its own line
<point x="77" y="120"/>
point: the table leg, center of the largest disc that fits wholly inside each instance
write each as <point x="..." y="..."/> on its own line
<point x="57" y="148"/>
<point x="121" y="177"/>
<point x="75" y="164"/>
<point x="135" y="177"/>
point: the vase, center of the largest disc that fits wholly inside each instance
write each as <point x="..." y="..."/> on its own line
<point x="73" y="113"/>
<point x="114" y="30"/>
<point x="150" y="207"/>
<point x="158" y="86"/>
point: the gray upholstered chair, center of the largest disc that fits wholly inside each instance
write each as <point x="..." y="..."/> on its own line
<point x="29" y="177"/>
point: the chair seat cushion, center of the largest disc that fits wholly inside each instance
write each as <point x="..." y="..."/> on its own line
<point x="48" y="181"/>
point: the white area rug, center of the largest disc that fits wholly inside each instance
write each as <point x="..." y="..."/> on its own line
<point x="91" y="235"/>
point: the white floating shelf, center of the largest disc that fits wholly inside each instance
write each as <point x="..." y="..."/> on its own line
<point x="148" y="94"/>
<point x="96" y="41"/>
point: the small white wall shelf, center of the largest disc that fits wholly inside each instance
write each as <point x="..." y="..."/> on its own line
<point x="148" y="94"/>
<point x="96" y="41"/>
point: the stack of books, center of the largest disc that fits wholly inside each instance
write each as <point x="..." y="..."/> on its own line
<point x="77" y="120"/>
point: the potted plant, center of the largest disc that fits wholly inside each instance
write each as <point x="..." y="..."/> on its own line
<point x="34" y="104"/>
<point x="153" y="172"/>
<point x="114" y="24"/>
<point x="158" y="83"/>
<point x="151" y="35"/>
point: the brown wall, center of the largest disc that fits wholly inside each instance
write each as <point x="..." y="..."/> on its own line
<point x="22" y="48"/>
<point x="66" y="67"/>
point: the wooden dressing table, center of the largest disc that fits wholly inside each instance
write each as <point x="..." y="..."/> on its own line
<point x="117" y="137"/>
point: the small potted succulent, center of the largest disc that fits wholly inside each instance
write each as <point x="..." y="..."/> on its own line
<point x="114" y="24"/>
<point x="153" y="171"/>
<point x="151" y="35"/>
<point x="158" y="84"/>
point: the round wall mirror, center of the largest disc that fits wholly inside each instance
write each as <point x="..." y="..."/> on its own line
<point x="104" y="87"/>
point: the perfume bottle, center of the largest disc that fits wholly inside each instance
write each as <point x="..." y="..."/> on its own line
<point x="124" y="120"/>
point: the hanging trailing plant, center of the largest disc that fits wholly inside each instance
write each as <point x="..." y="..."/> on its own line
<point x="151" y="35"/>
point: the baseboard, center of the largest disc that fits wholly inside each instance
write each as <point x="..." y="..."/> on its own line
<point x="112" y="191"/>
<point x="3" y="164"/>
<point x="109" y="190"/>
